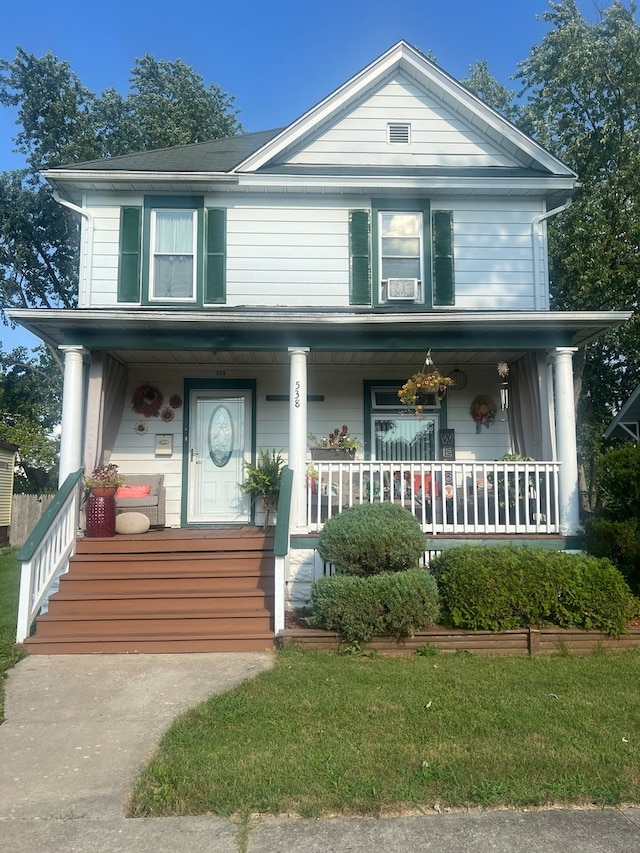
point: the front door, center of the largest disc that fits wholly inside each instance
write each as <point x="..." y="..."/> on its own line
<point x="218" y="443"/>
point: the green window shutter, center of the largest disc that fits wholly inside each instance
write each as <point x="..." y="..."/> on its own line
<point x="215" y="278"/>
<point x="359" y="258"/>
<point x="443" y="273"/>
<point x="130" y="252"/>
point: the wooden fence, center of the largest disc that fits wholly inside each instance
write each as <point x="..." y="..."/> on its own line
<point x="25" y="514"/>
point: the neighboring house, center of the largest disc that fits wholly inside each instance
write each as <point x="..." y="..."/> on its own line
<point x="626" y="424"/>
<point x="7" y="465"/>
<point x="283" y="283"/>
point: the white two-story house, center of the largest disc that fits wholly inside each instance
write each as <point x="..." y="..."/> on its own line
<point x="261" y="288"/>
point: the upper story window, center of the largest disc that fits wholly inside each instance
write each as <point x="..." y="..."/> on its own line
<point x="172" y="252"/>
<point x="401" y="256"/>
<point x="173" y="255"/>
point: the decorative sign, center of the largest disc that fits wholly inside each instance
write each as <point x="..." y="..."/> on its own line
<point x="221" y="436"/>
<point x="448" y="444"/>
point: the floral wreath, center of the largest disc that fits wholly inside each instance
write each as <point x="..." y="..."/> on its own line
<point x="483" y="411"/>
<point x="147" y="401"/>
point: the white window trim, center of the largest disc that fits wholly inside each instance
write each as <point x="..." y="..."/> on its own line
<point x="153" y="254"/>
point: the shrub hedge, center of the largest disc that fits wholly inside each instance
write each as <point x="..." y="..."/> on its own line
<point x="501" y="587"/>
<point x="371" y="538"/>
<point x="391" y="604"/>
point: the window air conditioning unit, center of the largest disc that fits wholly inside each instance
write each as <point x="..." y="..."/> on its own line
<point x="402" y="289"/>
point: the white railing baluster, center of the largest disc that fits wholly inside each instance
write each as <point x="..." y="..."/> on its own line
<point x="456" y="497"/>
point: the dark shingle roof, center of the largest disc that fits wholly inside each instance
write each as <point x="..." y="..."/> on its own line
<point x="218" y="155"/>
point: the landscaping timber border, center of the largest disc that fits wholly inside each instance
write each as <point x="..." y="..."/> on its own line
<point x="520" y="641"/>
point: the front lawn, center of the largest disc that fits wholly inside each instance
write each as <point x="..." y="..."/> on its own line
<point x="326" y="733"/>
<point x="10" y="654"/>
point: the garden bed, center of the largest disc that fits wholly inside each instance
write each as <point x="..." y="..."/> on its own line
<point x="520" y="641"/>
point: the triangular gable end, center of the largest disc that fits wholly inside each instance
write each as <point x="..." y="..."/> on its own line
<point x="449" y="126"/>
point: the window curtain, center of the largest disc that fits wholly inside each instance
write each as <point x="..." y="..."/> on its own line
<point x="529" y="406"/>
<point x="106" y="392"/>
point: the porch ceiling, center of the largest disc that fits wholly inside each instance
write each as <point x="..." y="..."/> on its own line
<point x="263" y="336"/>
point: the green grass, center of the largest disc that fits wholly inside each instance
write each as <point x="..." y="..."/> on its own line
<point x="10" y="654"/>
<point x="325" y="734"/>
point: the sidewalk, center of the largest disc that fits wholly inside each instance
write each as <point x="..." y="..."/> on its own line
<point x="79" y="728"/>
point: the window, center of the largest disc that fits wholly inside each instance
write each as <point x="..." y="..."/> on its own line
<point x="173" y="255"/>
<point x="401" y="255"/>
<point x="398" y="437"/>
<point x="404" y="438"/>
<point x="172" y="251"/>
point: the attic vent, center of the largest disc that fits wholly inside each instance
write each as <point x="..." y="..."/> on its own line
<point x="399" y="133"/>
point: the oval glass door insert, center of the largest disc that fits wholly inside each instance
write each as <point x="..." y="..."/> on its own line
<point x="221" y="436"/>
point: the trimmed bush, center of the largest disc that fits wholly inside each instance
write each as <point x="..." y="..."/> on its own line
<point x="390" y="604"/>
<point x="498" y="588"/>
<point x="617" y="540"/>
<point x="371" y="538"/>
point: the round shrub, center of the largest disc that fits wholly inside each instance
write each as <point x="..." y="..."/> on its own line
<point x="371" y="538"/>
<point x="389" y="604"/>
<point x="500" y="587"/>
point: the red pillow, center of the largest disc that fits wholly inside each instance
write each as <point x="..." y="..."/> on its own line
<point x="134" y="491"/>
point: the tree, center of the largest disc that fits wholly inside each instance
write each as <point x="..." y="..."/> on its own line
<point x="583" y="104"/>
<point x="29" y="417"/>
<point x="488" y="89"/>
<point x="62" y="122"/>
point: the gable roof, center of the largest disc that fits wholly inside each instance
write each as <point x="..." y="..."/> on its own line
<point x="464" y="145"/>
<point x="217" y="155"/>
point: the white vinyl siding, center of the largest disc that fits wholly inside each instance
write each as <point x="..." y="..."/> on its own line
<point x="295" y="252"/>
<point x="291" y="255"/>
<point x="439" y="137"/>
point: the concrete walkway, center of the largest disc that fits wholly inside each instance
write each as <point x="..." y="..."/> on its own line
<point x="79" y="728"/>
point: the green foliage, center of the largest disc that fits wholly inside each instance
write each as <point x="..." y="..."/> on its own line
<point x="497" y="588"/>
<point x="62" y="122"/>
<point x="28" y="416"/>
<point x="392" y="604"/>
<point x="264" y="478"/>
<point x="370" y="538"/>
<point x="583" y="88"/>
<point x="10" y="653"/>
<point x="619" y="475"/>
<point x="618" y="541"/>
<point x="614" y="531"/>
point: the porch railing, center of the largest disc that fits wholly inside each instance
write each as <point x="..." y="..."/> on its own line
<point x="45" y="555"/>
<point x="446" y="497"/>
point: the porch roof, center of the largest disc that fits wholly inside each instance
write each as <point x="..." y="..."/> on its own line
<point x="348" y="330"/>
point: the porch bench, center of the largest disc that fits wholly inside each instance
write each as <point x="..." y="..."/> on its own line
<point x="151" y="505"/>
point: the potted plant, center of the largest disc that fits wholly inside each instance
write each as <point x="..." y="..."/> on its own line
<point x="417" y="389"/>
<point x="264" y="478"/>
<point x="104" y="480"/>
<point x="337" y="445"/>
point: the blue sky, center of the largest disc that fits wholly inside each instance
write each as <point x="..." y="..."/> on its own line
<point x="276" y="58"/>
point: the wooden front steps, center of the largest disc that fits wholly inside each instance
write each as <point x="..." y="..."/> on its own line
<point x="165" y="591"/>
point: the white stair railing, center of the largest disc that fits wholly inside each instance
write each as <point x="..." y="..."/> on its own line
<point x="45" y="555"/>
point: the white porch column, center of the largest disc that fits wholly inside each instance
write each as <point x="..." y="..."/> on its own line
<point x="72" y="411"/>
<point x="566" y="438"/>
<point x="298" y="433"/>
